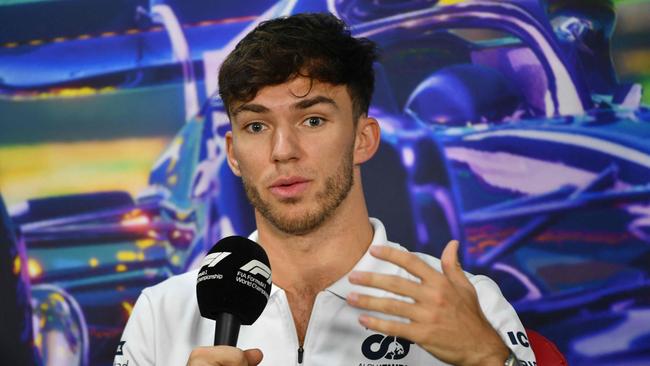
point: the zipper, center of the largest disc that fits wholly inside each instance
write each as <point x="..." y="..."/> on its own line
<point x="301" y="351"/>
<point x="311" y="325"/>
<point x="310" y="328"/>
<point x="292" y="326"/>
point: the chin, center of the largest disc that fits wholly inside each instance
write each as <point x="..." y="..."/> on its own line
<point x="298" y="222"/>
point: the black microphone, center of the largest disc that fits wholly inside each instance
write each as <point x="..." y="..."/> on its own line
<point x="233" y="286"/>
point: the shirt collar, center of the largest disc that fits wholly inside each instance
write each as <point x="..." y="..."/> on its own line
<point x="342" y="287"/>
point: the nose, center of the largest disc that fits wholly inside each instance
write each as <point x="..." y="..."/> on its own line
<point x="286" y="145"/>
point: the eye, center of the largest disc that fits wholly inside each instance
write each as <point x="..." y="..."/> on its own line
<point x="314" y="121"/>
<point x="255" y="127"/>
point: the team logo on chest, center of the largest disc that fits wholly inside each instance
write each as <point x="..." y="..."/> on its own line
<point x="379" y="347"/>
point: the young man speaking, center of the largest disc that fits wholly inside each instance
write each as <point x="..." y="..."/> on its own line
<point x="297" y="91"/>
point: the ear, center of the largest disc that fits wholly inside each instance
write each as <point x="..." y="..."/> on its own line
<point x="367" y="139"/>
<point x="232" y="160"/>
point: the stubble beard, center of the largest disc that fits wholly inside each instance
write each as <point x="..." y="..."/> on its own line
<point x="337" y="188"/>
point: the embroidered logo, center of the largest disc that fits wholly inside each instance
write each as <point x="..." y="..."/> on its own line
<point x="378" y="346"/>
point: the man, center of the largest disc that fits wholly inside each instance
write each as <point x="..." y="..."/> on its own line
<point x="297" y="91"/>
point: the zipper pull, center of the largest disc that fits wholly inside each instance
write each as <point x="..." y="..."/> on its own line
<point x="301" y="351"/>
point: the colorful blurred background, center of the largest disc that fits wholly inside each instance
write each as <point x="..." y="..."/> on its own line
<point x="111" y="165"/>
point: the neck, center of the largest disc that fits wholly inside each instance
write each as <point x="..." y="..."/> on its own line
<point x="311" y="262"/>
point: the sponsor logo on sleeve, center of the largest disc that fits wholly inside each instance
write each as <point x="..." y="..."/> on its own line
<point x="120" y="352"/>
<point x="518" y="338"/>
<point x="120" y="347"/>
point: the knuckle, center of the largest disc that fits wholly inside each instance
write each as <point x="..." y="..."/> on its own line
<point x="368" y="278"/>
<point x="432" y="317"/>
<point x="363" y="301"/>
<point x="442" y="301"/>
<point x="400" y="256"/>
<point x="394" y="282"/>
<point x="437" y="299"/>
<point x="392" y="256"/>
<point x="392" y="307"/>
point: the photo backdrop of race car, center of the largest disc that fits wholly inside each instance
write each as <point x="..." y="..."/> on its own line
<point x="505" y="124"/>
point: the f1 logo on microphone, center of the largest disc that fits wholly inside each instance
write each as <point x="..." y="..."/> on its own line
<point x="212" y="259"/>
<point x="257" y="268"/>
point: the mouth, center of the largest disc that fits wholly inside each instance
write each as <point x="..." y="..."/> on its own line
<point x="291" y="187"/>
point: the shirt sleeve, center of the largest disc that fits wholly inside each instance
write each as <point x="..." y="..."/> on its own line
<point x="504" y="319"/>
<point x="136" y="347"/>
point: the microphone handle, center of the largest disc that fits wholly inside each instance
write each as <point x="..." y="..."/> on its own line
<point x="226" y="330"/>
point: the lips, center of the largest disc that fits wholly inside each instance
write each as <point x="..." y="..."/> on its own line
<point x="290" y="187"/>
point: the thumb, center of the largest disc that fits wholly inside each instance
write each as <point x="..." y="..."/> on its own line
<point x="253" y="356"/>
<point x="451" y="265"/>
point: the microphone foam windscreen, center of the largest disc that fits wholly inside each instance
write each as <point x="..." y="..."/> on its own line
<point x="235" y="278"/>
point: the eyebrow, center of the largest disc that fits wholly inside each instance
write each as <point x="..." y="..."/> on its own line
<point x="306" y="103"/>
<point x="303" y="104"/>
<point x="250" y="107"/>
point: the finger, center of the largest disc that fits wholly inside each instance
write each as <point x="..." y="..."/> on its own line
<point x="387" y="306"/>
<point x="391" y="327"/>
<point x="409" y="261"/>
<point x="451" y="265"/>
<point x="217" y="355"/>
<point x="253" y="356"/>
<point x="391" y="283"/>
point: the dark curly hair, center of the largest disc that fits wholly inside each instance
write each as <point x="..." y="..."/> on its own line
<point x="318" y="46"/>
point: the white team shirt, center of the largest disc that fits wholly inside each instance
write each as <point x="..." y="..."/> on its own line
<point x="166" y="325"/>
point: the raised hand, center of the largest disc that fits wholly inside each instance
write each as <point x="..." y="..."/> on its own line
<point x="444" y="316"/>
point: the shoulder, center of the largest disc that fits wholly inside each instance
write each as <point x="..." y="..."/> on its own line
<point x="180" y="287"/>
<point x="164" y="323"/>
<point x="173" y="297"/>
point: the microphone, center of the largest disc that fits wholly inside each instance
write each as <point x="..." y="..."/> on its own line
<point x="233" y="286"/>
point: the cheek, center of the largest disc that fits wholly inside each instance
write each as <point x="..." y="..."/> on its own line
<point x="330" y="159"/>
<point x="250" y="160"/>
